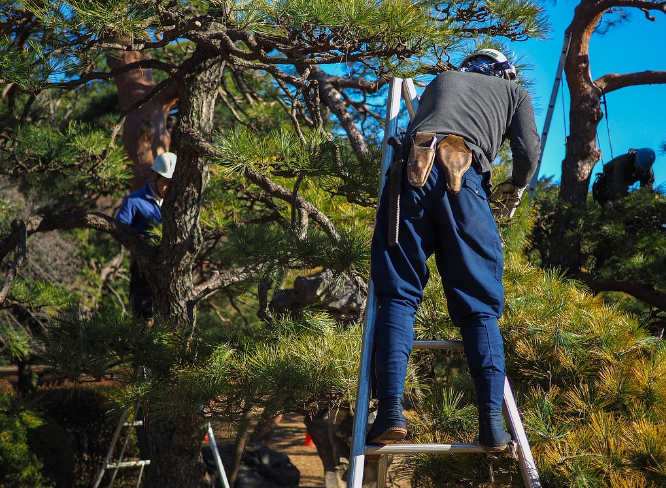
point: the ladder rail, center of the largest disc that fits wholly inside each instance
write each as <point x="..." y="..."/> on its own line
<point x="357" y="456"/>
<point x="549" y="113"/>
<point x="216" y="456"/>
<point x="120" y="463"/>
<point x="109" y="453"/>
<point x="526" y="461"/>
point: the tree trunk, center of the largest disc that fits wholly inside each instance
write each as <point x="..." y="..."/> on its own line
<point x="145" y="133"/>
<point x="174" y="446"/>
<point x="584" y="110"/>
<point x="176" y="442"/>
<point x="331" y="432"/>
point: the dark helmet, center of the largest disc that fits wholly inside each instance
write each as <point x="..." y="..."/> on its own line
<point x="645" y="158"/>
<point x="499" y="62"/>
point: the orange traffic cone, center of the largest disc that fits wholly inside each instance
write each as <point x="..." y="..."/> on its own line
<point x="308" y="441"/>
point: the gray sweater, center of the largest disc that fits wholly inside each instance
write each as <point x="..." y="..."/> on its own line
<point x="484" y="110"/>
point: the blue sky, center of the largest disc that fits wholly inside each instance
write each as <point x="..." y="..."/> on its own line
<point x="636" y="115"/>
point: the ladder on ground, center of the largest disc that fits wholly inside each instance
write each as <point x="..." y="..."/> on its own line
<point x="115" y="466"/>
<point x="404" y="89"/>
<point x="124" y="422"/>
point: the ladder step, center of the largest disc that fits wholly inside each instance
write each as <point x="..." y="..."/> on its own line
<point x="128" y="464"/>
<point x="423" y="448"/>
<point x="134" y="423"/>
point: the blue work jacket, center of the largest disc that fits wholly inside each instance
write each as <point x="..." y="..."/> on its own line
<point x="141" y="210"/>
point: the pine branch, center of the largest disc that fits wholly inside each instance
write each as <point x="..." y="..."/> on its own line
<point x="125" y="234"/>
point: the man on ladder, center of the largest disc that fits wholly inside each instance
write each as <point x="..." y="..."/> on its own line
<point x="462" y="120"/>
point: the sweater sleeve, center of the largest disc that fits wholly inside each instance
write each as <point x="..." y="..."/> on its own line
<point x="126" y="212"/>
<point x="524" y="141"/>
<point x="647" y="181"/>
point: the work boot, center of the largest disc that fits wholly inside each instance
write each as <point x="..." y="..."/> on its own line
<point x="492" y="436"/>
<point x="390" y="424"/>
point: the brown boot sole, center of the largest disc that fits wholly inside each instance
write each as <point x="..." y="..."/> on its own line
<point x="390" y="436"/>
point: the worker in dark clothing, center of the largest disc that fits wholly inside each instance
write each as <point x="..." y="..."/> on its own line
<point x="622" y="172"/>
<point x="142" y="210"/>
<point x="462" y="120"/>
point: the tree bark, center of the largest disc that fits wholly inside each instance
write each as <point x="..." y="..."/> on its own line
<point x="145" y="133"/>
<point x="175" y="443"/>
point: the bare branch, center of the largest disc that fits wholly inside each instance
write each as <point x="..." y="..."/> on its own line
<point x="124" y="234"/>
<point x="283" y="193"/>
<point x="220" y="281"/>
<point x="640" y="291"/>
<point x="614" y="81"/>
<point x="275" y="190"/>
<point x="331" y="97"/>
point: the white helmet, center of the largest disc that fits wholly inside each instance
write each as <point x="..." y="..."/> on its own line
<point x="165" y="164"/>
<point x="501" y="63"/>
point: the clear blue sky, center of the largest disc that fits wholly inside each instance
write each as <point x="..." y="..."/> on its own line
<point x="637" y="115"/>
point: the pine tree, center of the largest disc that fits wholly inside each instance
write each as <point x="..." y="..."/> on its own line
<point x="277" y="162"/>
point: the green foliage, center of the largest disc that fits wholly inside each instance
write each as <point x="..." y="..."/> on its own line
<point x="68" y="168"/>
<point x="623" y="246"/>
<point x="33" y="450"/>
<point x="589" y="380"/>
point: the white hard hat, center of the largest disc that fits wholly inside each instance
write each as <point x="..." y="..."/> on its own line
<point x="165" y="164"/>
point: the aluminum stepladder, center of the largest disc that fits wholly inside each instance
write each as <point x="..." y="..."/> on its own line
<point x="145" y="462"/>
<point x="108" y="465"/>
<point x="398" y="89"/>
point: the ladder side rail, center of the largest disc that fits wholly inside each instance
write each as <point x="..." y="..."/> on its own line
<point x="549" y="114"/>
<point x="109" y="453"/>
<point x="138" y="481"/>
<point x="410" y="97"/>
<point x="357" y="455"/>
<point x="526" y="461"/>
<point x="120" y="463"/>
<point x="382" y="471"/>
<point x="216" y="456"/>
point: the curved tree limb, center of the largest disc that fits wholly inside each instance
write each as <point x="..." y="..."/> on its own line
<point x="332" y="98"/>
<point x="614" y="81"/>
<point x="284" y="193"/>
<point x="126" y="235"/>
<point x="275" y="190"/>
<point x="220" y="281"/>
<point x="640" y="291"/>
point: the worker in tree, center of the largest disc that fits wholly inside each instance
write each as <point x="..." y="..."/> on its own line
<point x="142" y="210"/>
<point x="462" y="120"/>
<point x="622" y="172"/>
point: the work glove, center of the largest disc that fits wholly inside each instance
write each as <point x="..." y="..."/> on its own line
<point x="505" y="199"/>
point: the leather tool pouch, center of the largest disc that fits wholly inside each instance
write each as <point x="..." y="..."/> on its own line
<point x="420" y="159"/>
<point x="455" y="158"/>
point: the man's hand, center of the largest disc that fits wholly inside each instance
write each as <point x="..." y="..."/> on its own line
<point x="505" y="199"/>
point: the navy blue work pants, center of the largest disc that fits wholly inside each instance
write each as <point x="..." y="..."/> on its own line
<point x="462" y="233"/>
